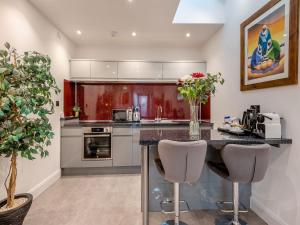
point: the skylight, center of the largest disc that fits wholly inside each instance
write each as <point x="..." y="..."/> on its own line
<point x="200" y="12"/>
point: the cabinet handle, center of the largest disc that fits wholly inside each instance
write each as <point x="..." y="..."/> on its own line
<point x="102" y="135"/>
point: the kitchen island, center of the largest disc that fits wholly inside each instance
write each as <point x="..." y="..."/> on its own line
<point x="209" y="189"/>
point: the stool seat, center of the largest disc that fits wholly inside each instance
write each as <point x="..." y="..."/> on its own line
<point x="241" y="164"/>
<point x="180" y="162"/>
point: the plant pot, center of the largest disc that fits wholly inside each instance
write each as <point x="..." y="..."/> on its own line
<point x="76" y="114"/>
<point x="16" y="216"/>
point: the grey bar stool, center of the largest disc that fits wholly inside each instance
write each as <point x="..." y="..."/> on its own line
<point x="242" y="164"/>
<point x="180" y="162"/>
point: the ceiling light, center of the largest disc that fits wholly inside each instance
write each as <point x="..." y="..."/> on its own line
<point x="133" y="34"/>
<point x="78" y="32"/>
<point x="130" y="1"/>
<point x="187" y="34"/>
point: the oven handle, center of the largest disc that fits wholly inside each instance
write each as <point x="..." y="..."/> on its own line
<point x="97" y="135"/>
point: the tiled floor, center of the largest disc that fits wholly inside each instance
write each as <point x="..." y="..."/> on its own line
<point x="103" y="200"/>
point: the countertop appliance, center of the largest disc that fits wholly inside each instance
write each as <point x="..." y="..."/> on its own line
<point x="265" y="125"/>
<point x="122" y="115"/>
<point x="136" y="114"/>
<point x="97" y="143"/>
<point x="268" y="125"/>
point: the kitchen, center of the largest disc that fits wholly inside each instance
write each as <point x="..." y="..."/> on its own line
<point x="122" y="67"/>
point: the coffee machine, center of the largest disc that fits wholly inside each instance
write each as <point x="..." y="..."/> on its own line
<point x="265" y="125"/>
<point x="268" y="125"/>
<point x="249" y="120"/>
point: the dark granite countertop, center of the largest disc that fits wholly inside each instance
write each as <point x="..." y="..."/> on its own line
<point x="213" y="137"/>
<point x="142" y="123"/>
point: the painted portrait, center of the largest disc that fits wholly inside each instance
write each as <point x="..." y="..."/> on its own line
<point x="266" y="47"/>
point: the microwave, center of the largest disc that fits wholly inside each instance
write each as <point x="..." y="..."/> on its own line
<point x="122" y="115"/>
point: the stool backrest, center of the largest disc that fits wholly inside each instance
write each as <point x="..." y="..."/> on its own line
<point x="246" y="163"/>
<point x="182" y="161"/>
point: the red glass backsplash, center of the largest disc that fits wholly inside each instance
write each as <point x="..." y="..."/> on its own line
<point x="69" y="97"/>
<point x="97" y="100"/>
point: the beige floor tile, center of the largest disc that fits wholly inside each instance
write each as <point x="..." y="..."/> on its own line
<point x="104" y="200"/>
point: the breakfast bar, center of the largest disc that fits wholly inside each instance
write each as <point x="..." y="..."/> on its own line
<point x="210" y="188"/>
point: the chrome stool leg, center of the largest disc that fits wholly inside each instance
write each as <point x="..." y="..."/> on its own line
<point x="176" y="221"/>
<point x="235" y="220"/>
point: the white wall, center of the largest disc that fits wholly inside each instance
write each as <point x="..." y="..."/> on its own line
<point x="121" y="52"/>
<point x="26" y="29"/>
<point x="277" y="197"/>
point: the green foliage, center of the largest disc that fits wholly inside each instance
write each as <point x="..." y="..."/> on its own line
<point x="26" y="84"/>
<point x="76" y="108"/>
<point x="198" y="90"/>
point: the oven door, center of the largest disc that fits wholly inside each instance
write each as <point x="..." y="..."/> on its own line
<point x="97" y="146"/>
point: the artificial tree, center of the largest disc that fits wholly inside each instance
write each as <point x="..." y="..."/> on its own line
<point x="26" y="85"/>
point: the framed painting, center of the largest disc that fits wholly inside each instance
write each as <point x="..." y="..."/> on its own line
<point x="269" y="46"/>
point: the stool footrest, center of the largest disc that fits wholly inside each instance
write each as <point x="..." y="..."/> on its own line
<point x="167" y="204"/>
<point x="221" y="207"/>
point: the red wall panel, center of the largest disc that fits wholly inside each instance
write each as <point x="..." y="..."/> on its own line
<point x="97" y="100"/>
<point x="69" y="97"/>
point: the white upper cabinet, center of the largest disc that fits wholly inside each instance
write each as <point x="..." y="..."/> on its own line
<point x="104" y="70"/>
<point x="80" y="69"/>
<point x="132" y="70"/>
<point x="176" y="70"/>
<point x="140" y="70"/>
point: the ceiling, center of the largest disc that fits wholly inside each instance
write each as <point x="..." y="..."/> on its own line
<point x="150" y="19"/>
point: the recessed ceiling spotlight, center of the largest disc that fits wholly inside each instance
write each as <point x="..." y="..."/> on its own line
<point x="130" y="1"/>
<point x="187" y="34"/>
<point x="78" y="32"/>
<point x="133" y="34"/>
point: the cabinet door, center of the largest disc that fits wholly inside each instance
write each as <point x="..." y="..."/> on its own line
<point x="136" y="148"/>
<point x="80" y="69"/>
<point x="104" y="70"/>
<point x="122" y="150"/>
<point x="71" y="151"/>
<point x="176" y="70"/>
<point x="140" y="70"/>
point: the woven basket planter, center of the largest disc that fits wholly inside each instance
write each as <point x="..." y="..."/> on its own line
<point x="16" y="215"/>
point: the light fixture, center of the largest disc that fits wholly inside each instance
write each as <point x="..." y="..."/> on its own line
<point x="133" y="34"/>
<point x="130" y="1"/>
<point x="78" y="32"/>
<point x="187" y="34"/>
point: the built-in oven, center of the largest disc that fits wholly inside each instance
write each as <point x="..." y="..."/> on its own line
<point x="97" y="143"/>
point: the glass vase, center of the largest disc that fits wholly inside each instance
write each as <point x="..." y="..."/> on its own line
<point x="194" y="120"/>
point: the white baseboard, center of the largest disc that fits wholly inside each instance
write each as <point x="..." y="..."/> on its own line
<point x="266" y="214"/>
<point x="45" y="184"/>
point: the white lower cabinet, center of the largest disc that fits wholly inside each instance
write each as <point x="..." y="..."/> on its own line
<point x="72" y="147"/>
<point x="122" y="150"/>
<point x="125" y="147"/>
<point x="136" y="148"/>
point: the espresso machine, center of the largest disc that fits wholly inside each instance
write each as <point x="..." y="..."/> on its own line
<point x="265" y="125"/>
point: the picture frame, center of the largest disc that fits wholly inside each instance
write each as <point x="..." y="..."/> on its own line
<point x="269" y="46"/>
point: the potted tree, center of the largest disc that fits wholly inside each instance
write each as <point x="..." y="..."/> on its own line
<point x="26" y="85"/>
